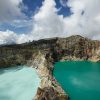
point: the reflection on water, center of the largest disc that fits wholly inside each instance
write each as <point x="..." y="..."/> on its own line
<point x="80" y="79"/>
<point x="19" y="83"/>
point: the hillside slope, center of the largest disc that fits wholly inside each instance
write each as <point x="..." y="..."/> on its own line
<point x="70" y="48"/>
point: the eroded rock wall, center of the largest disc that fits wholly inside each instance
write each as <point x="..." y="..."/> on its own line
<point x="49" y="88"/>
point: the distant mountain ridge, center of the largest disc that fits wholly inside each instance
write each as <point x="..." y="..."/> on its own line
<point x="71" y="48"/>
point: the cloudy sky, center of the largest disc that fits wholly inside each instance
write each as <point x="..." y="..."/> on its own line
<point x="24" y="20"/>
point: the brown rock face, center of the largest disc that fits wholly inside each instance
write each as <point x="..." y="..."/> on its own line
<point x="49" y="88"/>
<point x="70" y="48"/>
<point x="76" y="48"/>
<point x="48" y="93"/>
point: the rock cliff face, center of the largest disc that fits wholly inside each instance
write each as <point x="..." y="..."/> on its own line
<point x="43" y="54"/>
<point x="79" y="48"/>
<point x="49" y="88"/>
<point x="70" y="48"/>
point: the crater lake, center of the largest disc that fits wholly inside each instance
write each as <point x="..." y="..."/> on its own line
<point x="80" y="79"/>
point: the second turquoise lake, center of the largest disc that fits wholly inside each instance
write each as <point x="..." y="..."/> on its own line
<point x="81" y="79"/>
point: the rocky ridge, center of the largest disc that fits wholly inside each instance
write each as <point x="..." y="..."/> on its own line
<point x="49" y="88"/>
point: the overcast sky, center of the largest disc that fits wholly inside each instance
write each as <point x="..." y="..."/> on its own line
<point x="24" y="20"/>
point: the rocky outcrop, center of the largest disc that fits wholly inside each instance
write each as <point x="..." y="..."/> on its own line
<point x="12" y="55"/>
<point x="49" y="88"/>
<point x="70" y="48"/>
<point x="77" y="48"/>
<point x="48" y="93"/>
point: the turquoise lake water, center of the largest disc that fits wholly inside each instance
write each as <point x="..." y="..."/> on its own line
<point x="81" y="80"/>
<point x="18" y="83"/>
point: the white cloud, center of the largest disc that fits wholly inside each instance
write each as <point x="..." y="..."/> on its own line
<point x="9" y="37"/>
<point x="10" y="10"/>
<point x="47" y="23"/>
<point x="85" y="20"/>
<point x="86" y="23"/>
